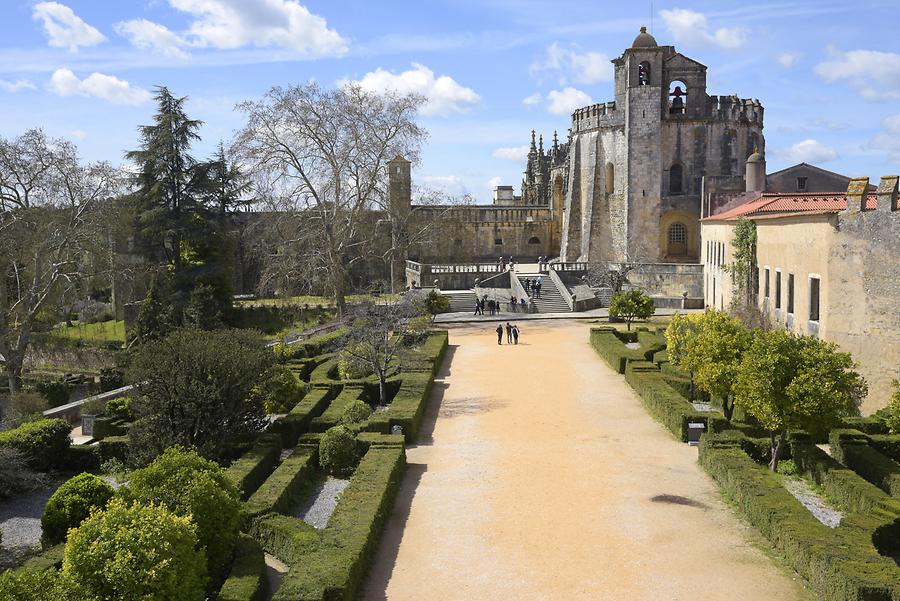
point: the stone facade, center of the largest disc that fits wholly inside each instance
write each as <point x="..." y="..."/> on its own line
<point x="850" y="258"/>
<point x="634" y="168"/>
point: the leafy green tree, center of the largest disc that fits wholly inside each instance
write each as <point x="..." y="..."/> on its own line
<point x="194" y="390"/>
<point x="790" y="382"/>
<point x="226" y="185"/>
<point x="681" y="336"/>
<point x="338" y="451"/>
<point x="71" y="504"/>
<point x="204" y="308"/>
<point x="893" y="413"/>
<point x="190" y="486"/>
<point x="155" y="318"/>
<point x="716" y="355"/>
<point x="631" y="305"/>
<point x="130" y="552"/>
<point x="278" y="391"/>
<point x="434" y="303"/>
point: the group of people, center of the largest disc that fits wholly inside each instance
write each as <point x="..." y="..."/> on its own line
<point x="534" y="286"/>
<point x="512" y="333"/>
<point x="493" y="307"/>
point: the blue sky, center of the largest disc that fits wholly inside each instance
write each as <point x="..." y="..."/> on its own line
<point x="827" y="72"/>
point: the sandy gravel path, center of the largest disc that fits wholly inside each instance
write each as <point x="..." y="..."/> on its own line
<point x="540" y="477"/>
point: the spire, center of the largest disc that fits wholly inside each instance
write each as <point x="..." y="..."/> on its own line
<point x="533" y="149"/>
<point x="555" y="141"/>
<point x="541" y="147"/>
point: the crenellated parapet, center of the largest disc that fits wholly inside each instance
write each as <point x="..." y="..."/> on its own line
<point x="738" y="110"/>
<point x="603" y="114"/>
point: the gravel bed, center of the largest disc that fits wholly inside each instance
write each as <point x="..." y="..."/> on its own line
<point x="813" y="502"/>
<point x="20" y="519"/>
<point x="633" y="345"/>
<point x="317" y="510"/>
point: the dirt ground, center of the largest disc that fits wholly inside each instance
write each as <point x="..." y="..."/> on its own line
<point x="539" y="476"/>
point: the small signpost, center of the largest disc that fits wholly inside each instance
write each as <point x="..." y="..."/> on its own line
<point x="695" y="430"/>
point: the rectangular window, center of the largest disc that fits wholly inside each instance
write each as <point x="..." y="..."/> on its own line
<point x="801" y="184"/>
<point x="814" y="299"/>
<point x="498" y="241"/>
<point x="766" y="283"/>
<point x="790" y="300"/>
<point x="777" y="289"/>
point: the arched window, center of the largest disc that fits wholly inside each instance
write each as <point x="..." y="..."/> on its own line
<point x="677" y="97"/>
<point x="677" y="238"/>
<point x="644" y="74"/>
<point x="676" y="176"/>
<point x="610" y="178"/>
<point x="534" y="240"/>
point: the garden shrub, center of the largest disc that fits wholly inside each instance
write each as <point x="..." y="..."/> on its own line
<point x="252" y="468"/>
<point x="893" y="410"/>
<point x="111" y="379"/>
<point x="15" y="475"/>
<point x="319" y="345"/>
<point x="119" y="408"/>
<point x="114" y="447"/>
<point x="106" y="426"/>
<point x="288" y="538"/>
<point x="612" y="349"/>
<point x="189" y="485"/>
<point x="350" y="367"/>
<point x="71" y="504"/>
<point x="335" y="411"/>
<point x="25" y="405"/>
<point x="298" y="419"/>
<point x="279" y="391"/>
<point x="338" y="453"/>
<point x="663" y="402"/>
<point x="34" y="584"/>
<point x="56" y="392"/>
<point x="886" y="444"/>
<point x="356" y="412"/>
<point x="247" y="580"/>
<point x="131" y="552"/>
<point x="285" y="487"/>
<point x="43" y="442"/>
<point x="407" y="407"/>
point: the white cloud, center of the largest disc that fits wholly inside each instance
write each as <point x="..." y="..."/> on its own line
<point x="16" y="86"/>
<point x="112" y="89"/>
<point x="147" y="35"/>
<point x="449" y="184"/>
<point x="511" y="153"/>
<point x="787" y="59"/>
<point x="691" y="28"/>
<point x="493" y="183"/>
<point x="889" y="139"/>
<point x="263" y="23"/>
<point x="444" y="96"/>
<point x="808" y="151"/>
<point x="565" y="101"/>
<point x="533" y="99"/>
<point x="875" y="75"/>
<point x="79" y="134"/>
<point x="64" y="28"/>
<point x="573" y="66"/>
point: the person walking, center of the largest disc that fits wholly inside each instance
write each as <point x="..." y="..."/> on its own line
<point x="500" y="333"/>
<point x="515" y="334"/>
<point x="512" y="304"/>
<point x="492" y="306"/>
<point x="527" y="285"/>
<point x="522" y="303"/>
<point x="508" y="333"/>
<point x="477" y="305"/>
<point x="539" y="282"/>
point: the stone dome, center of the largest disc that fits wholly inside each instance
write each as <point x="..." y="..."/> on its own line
<point x="756" y="157"/>
<point x="644" y="40"/>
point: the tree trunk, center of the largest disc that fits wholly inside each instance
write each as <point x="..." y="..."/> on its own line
<point x="382" y="394"/>
<point x="776" y="448"/>
<point x="728" y="407"/>
<point x="693" y="392"/>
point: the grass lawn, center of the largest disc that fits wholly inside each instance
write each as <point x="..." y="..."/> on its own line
<point x="312" y="301"/>
<point x="101" y="331"/>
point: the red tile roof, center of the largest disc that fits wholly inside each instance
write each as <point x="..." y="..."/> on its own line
<point x="778" y="204"/>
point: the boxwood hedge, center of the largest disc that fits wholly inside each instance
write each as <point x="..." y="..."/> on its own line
<point x="247" y="580"/>
<point x="285" y="486"/>
<point x="252" y="468"/>
<point x="852" y="448"/>
<point x="43" y="442"/>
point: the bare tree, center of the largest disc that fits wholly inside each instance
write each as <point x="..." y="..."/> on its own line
<point x="327" y="152"/>
<point x="49" y="230"/>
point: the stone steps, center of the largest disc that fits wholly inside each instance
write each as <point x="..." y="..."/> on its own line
<point x="551" y="300"/>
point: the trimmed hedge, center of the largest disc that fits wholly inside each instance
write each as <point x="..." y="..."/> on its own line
<point x="285" y="487"/>
<point x="114" y="447"/>
<point x="886" y="444"/>
<point x="298" y="419"/>
<point x="612" y="349"/>
<point x="851" y="448"/>
<point x="332" y="415"/>
<point x="407" y="408"/>
<point x="429" y="355"/>
<point x="662" y="401"/>
<point x="319" y="345"/>
<point x="840" y="564"/>
<point x="44" y="442"/>
<point x="288" y="538"/>
<point x="247" y="580"/>
<point x="107" y="425"/>
<point x="81" y="458"/>
<point x="335" y="568"/>
<point x="251" y="469"/>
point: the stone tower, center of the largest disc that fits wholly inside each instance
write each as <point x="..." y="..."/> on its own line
<point x="635" y="166"/>
<point x="399" y="185"/>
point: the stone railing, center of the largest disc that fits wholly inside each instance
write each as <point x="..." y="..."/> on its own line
<point x="71" y="412"/>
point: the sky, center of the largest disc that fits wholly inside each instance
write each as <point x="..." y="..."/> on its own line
<point x="827" y="72"/>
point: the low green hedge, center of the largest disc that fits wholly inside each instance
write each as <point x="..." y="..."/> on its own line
<point x="298" y="419"/>
<point x="302" y="368"/>
<point x="851" y="448"/>
<point x="252" y="468"/>
<point x="324" y="374"/>
<point x="105" y="425"/>
<point x="247" y="580"/>
<point x="81" y="458"/>
<point x="335" y="567"/>
<point x="407" y="409"/>
<point x="662" y="401"/>
<point x="289" y="539"/>
<point x="51" y="557"/>
<point x="114" y="447"/>
<point x="319" y="345"/>
<point x="429" y="355"/>
<point x="43" y="442"/>
<point x="841" y="484"/>
<point x="335" y="410"/>
<point x="840" y="564"/>
<point x="608" y="345"/>
<point x="282" y="490"/>
<point x="886" y="444"/>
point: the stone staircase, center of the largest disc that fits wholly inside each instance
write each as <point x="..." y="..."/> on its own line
<point x="551" y="301"/>
<point x="460" y="300"/>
